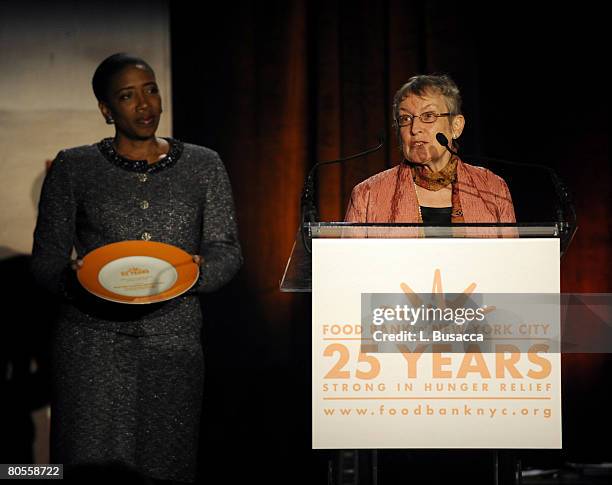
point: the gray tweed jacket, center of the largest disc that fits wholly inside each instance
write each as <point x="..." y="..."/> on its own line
<point x="92" y="197"/>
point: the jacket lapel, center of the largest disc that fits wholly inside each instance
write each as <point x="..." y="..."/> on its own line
<point x="472" y="200"/>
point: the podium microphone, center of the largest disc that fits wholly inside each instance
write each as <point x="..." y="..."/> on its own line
<point x="442" y="140"/>
<point x="308" y="210"/>
<point x="308" y="206"/>
<point x="563" y="203"/>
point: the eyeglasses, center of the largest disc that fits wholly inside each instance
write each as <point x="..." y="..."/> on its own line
<point x="428" y="117"/>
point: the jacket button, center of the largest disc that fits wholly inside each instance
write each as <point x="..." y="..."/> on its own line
<point x="144" y="204"/>
<point x="142" y="177"/>
<point x="146" y="236"/>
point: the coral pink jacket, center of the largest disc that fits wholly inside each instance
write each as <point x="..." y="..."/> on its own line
<point x="390" y="196"/>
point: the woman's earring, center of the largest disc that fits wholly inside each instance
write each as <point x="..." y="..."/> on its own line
<point x="109" y="120"/>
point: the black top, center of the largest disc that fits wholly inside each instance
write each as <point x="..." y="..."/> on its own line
<point x="436" y="215"/>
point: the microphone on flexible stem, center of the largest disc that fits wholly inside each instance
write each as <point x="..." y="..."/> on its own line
<point x="442" y="140"/>
<point x="308" y="206"/>
<point x="308" y="210"/>
<point x="567" y="221"/>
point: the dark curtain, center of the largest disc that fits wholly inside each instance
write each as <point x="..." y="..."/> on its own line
<point x="275" y="86"/>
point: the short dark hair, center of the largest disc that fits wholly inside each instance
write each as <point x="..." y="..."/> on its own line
<point x="109" y="67"/>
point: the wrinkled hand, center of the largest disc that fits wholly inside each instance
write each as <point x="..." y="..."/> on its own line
<point x="76" y="264"/>
<point x="197" y="259"/>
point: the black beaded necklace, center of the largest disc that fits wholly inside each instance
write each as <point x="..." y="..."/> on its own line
<point x="142" y="166"/>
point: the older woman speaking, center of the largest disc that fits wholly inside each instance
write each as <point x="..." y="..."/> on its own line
<point x="431" y="185"/>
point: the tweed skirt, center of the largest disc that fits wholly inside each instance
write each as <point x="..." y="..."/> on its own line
<point x="134" y="400"/>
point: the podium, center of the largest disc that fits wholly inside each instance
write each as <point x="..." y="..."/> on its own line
<point x="298" y="270"/>
<point x="424" y="393"/>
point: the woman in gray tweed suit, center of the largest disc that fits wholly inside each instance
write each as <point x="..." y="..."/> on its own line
<point x="128" y="378"/>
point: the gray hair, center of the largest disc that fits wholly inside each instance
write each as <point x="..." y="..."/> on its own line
<point x="423" y="84"/>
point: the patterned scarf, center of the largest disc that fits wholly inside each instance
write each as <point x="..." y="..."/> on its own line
<point x="423" y="177"/>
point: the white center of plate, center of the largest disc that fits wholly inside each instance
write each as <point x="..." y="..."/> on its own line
<point x="137" y="276"/>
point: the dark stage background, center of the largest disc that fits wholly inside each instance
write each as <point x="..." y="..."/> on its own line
<point x="275" y="86"/>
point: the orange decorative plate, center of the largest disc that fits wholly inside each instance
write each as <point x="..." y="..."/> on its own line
<point x="138" y="272"/>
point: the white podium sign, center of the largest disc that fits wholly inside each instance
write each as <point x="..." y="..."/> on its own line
<point x="432" y="399"/>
